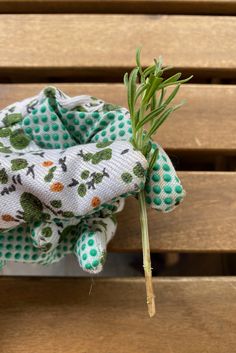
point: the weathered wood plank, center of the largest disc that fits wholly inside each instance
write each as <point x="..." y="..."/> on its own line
<point x="120" y="6"/>
<point x="204" y="222"/>
<point x="84" y="42"/>
<point x="59" y="315"/>
<point x="204" y="123"/>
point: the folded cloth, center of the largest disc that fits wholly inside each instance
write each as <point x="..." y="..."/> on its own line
<point x="66" y="165"/>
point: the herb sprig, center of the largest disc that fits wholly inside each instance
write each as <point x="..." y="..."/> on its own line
<point x="149" y="106"/>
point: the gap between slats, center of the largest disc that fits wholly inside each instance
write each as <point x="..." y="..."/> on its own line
<point x="195" y="7"/>
<point x="107" y="75"/>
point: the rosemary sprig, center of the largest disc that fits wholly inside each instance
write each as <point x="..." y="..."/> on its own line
<point x="149" y="108"/>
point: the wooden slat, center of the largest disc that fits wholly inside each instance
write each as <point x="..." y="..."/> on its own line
<point x="87" y="42"/>
<point x="204" y="222"/>
<point x="119" y="6"/>
<point x="55" y="315"/>
<point x="206" y="122"/>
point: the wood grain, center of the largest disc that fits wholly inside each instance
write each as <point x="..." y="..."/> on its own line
<point x="204" y="222"/>
<point x="206" y="122"/>
<point x="83" y="42"/>
<point x="58" y="315"/>
<point x="120" y="6"/>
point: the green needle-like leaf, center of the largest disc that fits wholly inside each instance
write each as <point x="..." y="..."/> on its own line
<point x="164" y="84"/>
<point x="172" y="95"/>
<point x="156" y="81"/>
<point x="161" y="97"/>
<point x="154" y="113"/>
<point x="153" y="102"/>
<point x="138" y="61"/>
<point x="140" y="90"/>
<point x="149" y="70"/>
<point x="173" y="78"/>
<point x="159" y="122"/>
<point x="153" y="159"/>
<point x="146" y="90"/>
<point x="126" y="79"/>
<point x="132" y="89"/>
<point x="162" y="118"/>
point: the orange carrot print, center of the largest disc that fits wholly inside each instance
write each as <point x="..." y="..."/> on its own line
<point x="95" y="201"/>
<point x="47" y="163"/>
<point x="57" y="187"/>
<point x="7" y="218"/>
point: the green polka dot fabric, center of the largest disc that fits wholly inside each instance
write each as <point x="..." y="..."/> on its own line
<point x="163" y="188"/>
<point x="66" y="166"/>
<point x="86" y="239"/>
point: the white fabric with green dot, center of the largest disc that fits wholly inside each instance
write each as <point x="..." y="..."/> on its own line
<point x="66" y="166"/>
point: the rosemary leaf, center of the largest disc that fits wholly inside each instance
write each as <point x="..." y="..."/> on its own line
<point x="173" y="78"/>
<point x="153" y="159"/>
<point x="150" y="116"/>
<point x="132" y="89"/>
<point x="164" y="84"/>
<point x="159" y="122"/>
<point x="126" y="79"/>
<point x="155" y="83"/>
<point x="172" y="95"/>
<point x="146" y="89"/>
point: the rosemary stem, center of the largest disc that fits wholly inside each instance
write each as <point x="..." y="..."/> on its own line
<point x="146" y="90"/>
<point x="146" y="255"/>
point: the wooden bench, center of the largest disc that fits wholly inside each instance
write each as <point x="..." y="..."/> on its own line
<point x="58" y="41"/>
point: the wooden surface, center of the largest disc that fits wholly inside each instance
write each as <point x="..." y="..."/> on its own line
<point x="199" y="121"/>
<point x="204" y="222"/>
<point x="53" y="315"/>
<point x="86" y="42"/>
<point x="120" y="6"/>
<point x="194" y="315"/>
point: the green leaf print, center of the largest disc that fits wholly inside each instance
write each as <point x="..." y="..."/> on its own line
<point x="68" y="214"/>
<point x="48" y="178"/>
<point x="126" y="177"/>
<point x="56" y="203"/>
<point x="5" y="131"/>
<point x="109" y="107"/>
<point x="82" y="190"/>
<point x="47" y="232"/>
<point x="85" y="174"/>
<point x="19" y="140"/>
<point x="12" y="119"/>
<point x="3" y="176"/>
<point x="87" y="156"/>
<point x="103" y="155"/>
<point x="5" y="150"/>
<point x="138" y="170"/>
<point x="98" y="178"/>
<point x="18" y="164"/>
<point x="32" y="207"/>
<point x="103" y="144"/>
<point x="46" y="217"/>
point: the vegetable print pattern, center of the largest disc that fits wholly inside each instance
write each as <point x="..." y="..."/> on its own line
<point x="64" y="173"/>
